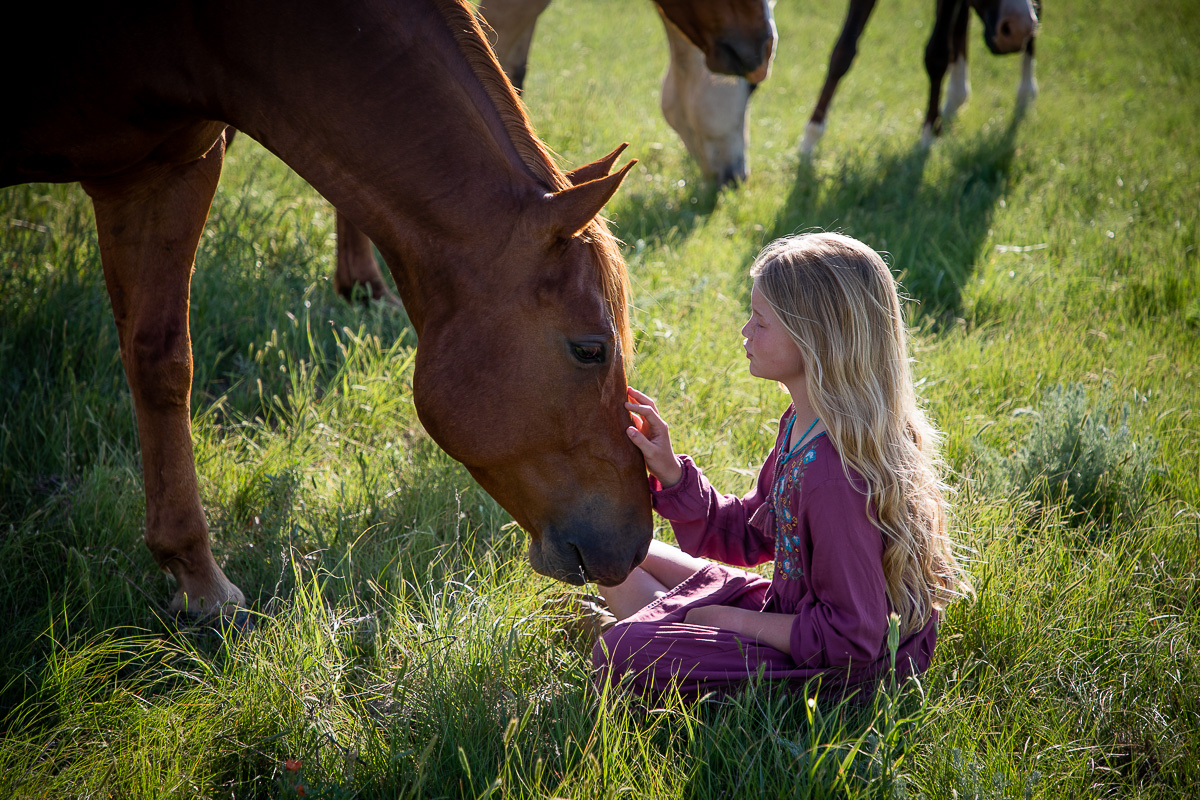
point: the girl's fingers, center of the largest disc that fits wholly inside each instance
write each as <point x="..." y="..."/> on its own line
<point x="648" y="423"/>
<point x="641" y="398"/>
<point x="644" y="410"/>
<point x="640" y="441"/>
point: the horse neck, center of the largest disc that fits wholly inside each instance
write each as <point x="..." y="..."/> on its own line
<point x="375" y="104"/>
<point x="687" y="61"/>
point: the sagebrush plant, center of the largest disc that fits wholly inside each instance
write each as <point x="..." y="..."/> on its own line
<point x="1081" y="454"/>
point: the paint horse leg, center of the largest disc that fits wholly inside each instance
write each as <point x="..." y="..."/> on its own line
<point x="840" y="59"/>
<point x="149" y="224"/>
<point x="937" y="59"/>
<point x="958" y="88"/>
<point x="356" y="265"/>
<point x="513" y="22"/>
<point x="1027" y="92"/>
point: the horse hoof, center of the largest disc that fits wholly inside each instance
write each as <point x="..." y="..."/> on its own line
<point x="228" y="624"/>
<point x="812" y="134"/>
<point x="928" y="137"/>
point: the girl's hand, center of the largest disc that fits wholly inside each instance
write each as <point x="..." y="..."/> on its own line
<point x="710" y="616"/>
<point x="652" y="437"/>
<point x="765" y="627"/>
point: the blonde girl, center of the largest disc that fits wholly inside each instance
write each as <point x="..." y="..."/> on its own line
<point x="849" y="504"/>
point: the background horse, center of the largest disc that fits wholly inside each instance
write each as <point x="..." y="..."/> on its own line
<point x="720" y="50"/>
<point x="1009" y="26"/>
<point x="737" y="37"/>
<point x="400" y="115"/>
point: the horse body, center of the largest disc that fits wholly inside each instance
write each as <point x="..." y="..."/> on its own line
<point x="1009" y="26"/>
<point x="399" y="115"/>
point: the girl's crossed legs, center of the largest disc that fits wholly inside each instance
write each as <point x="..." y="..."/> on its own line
<point x="665" y="568"/>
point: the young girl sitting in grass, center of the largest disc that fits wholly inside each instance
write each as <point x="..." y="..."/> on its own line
<point x="849" y="504"/>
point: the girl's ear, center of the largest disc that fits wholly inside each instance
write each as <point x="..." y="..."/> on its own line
<point x="568" y="212"/>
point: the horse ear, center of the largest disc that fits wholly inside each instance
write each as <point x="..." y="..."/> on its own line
<point x="572" y="209"/>
<point x="597" y="169"/>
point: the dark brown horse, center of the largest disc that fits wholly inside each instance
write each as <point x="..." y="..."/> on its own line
<point x="708" y="39"/>
<point x="1009" y="26"/>
<point x="398" y="113"/>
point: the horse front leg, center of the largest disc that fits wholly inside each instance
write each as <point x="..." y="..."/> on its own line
<point x="356" y="265"/>
<point x="937" y="59"/>
<point x="512" y="23"/>
<point x="844" y="51"/>
<point x="1027" y="92"/>
<point x="958" y="87"/>
<point x="149" y="224"/>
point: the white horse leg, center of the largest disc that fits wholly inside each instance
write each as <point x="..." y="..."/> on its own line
<point x="1027" y="91"/>
<point x="928" y="137"/>
<point x="958" y="89"/>
<point x="812" y="134"/>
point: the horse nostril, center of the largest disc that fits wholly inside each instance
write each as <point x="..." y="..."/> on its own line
<point x="1005" y="29"/>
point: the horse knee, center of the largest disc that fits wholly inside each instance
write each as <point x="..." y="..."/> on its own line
<point x="937" y="59"/>
<point x="159" y="363"/>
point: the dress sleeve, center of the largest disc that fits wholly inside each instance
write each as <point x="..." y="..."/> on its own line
<point x="709" y="524"/>
<point x="843" y="617"/>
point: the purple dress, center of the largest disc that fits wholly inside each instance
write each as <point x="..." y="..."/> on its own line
<point x="812" y="520"/>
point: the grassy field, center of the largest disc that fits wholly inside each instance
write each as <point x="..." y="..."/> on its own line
<point x="1052" y="266"/>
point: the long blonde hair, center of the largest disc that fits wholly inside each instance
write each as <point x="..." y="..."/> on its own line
<point x="837" y="299"/>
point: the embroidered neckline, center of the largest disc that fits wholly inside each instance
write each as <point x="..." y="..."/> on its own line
<point x="786" y="456"/>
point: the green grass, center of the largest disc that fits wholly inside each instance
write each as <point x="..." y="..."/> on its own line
<point x="403" y="650"/>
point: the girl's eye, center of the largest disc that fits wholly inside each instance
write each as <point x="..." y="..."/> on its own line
<point x="588" y="353"/>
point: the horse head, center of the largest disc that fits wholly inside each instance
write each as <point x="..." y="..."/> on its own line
<point x="708" y="111"/>
<point x="737" y="37"/>
<point x="521" y="377"/>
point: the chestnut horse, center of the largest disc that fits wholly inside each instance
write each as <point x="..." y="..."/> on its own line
<point x="720" y="50"/>
<point x="1009" y="26"/>
<point x="399" y="114"/>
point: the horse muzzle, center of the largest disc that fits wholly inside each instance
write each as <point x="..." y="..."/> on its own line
<point x="584" y="554"/>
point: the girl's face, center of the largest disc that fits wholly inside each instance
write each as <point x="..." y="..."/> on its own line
<point x="772" y="352"/>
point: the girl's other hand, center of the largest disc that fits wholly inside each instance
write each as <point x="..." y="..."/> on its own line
<point x="653" y="438"/>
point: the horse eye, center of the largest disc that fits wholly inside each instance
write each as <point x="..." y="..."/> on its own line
<point x="588" y="353"/>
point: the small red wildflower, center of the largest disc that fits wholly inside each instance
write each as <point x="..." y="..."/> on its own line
<point x="292" y="765"/>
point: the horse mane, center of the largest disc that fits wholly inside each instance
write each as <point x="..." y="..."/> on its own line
<point x="610" y="266"/>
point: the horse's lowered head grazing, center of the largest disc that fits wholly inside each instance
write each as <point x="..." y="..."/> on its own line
<point x="707" y="110"/>
<point x="737" y="36"/>
<point x="520" y="371"/>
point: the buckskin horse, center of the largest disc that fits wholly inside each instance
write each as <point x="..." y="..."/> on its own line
<point x="1009" y="26"/>
<point x="720" y="50"/>
<point x="398" y="113"/>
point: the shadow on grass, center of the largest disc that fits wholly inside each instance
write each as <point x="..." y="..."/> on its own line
<point x="933" y="230"/>
<point x="659" y="212"/>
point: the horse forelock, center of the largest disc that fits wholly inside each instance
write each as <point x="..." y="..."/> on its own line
<point x="610" y="266"/>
